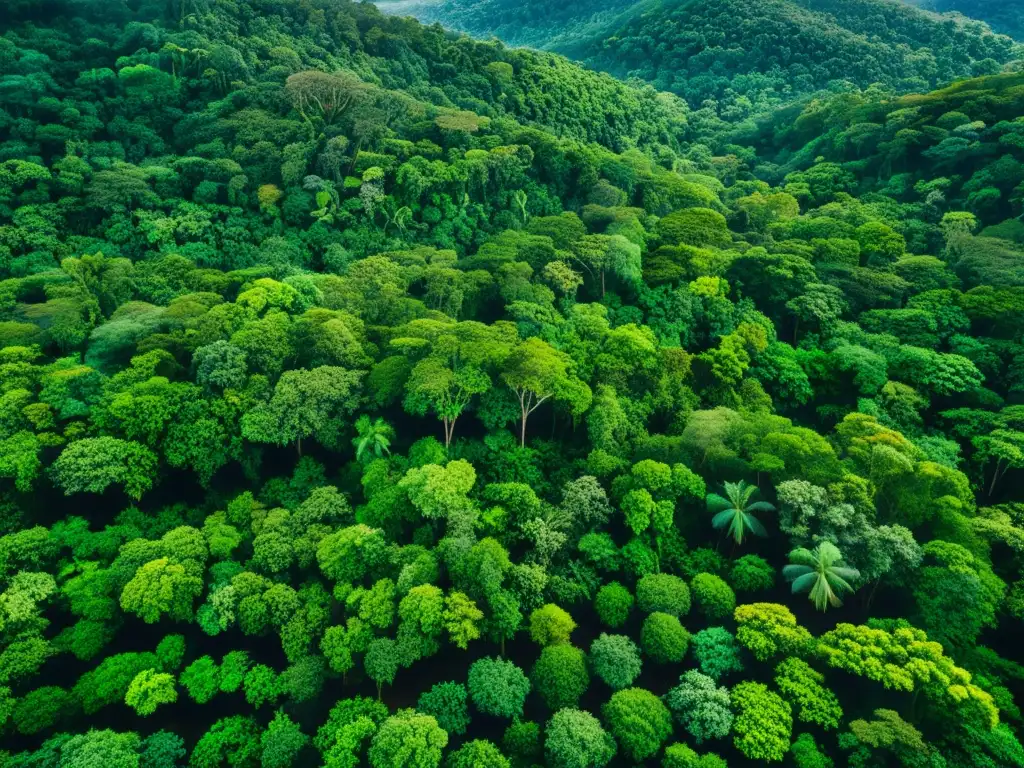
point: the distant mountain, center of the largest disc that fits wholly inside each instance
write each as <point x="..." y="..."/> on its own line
<point x="534" y="23"/>
<point x="1004" y="16"/>
<point x="739" y="57"/>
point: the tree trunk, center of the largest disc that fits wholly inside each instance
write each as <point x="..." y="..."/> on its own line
<point x="298" y="446"/>
<point x="995" y="477"/>
<point x="871" y="594"/>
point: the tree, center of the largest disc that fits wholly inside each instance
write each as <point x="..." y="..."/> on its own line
<point x="445" y="387"/>
<point x="161" y="750"/>
<point x="682" y="756"/>
<point x="171" y="652"/>
<point x="347" y="555"/>
<point x="93" y="464"/>
<point x="700" y="707"/>
<point x="161" y="587"/>
<point x="478" y="753"/>
<point x="233" y="740"/>
<point x="714" y="597"/>
<point x="613" y="604"/>
<point x="751" y="573"/>
<point x="536" y="372"/>
<point x="575" y="739"/>
<point x="108" y="682"/>
<point x="382" y="661"/>
<point x="373" y="438"/>
<point x="220" y="366"/>
<point x="735" y="512"/>
<point x="522" y="741"/>
<point x="700" y="227"/>
<point x="448" y="704"/>
<point x="148" y="690"/>
<point x="233" y="667"/>
<point x="550" y="625"/>
<point x="421" y="614"/>
<point x="261" y="686"/>
<point x="408" y="739"/>
<point x="639" y="722"/>
<point x="117" y="750"/>
<point x="498" y="687"/>
<point x="904" y="659"/>
<point x="769" y="629"/>
<point x="806" y="754"/>
<point x="282" y="741"/>
<point x="461" y="619"/>
<point x="716" y="652"/>
<point x="616" y="660"/>
<point x="1003" y="446"/>
<point x="201" y="679"/>
<point x="956" y="593"/>
<point x="664" y="639"/>
<point x="804" y="688"/>
<point x="821" y="573"/>
<point x="304" y="679"/>
<point x="325" y="95"/>
<point x="663" y="593"/>
<point x="560" y="675"/>
<point x="305" y="404"/>
<point x="41" y="708"/>
<point x="764" y="722"/>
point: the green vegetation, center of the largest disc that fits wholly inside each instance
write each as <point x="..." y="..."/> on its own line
<point x="374" y="396"/>
<point x="732" y="59"/>
<point x="1003" y="17"/>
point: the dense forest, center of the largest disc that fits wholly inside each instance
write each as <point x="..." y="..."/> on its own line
<point x="536" y="23"/>
<point x="744" y="58"/>
<point x="1004" y="16"/>
<point x="372" y="395"/>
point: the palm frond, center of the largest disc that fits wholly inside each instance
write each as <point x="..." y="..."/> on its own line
<point x="848" y="574"/>
<point x="723" y="518"/>
<point x="790" y="572"/>
<point x="715" y="502"/>
<point x="804" y="583"/>
<point x="839" y="584"/>
<point x="754" y="525"/>
<point x="804" y="556"/>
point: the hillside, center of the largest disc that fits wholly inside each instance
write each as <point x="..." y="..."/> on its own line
<point x="374" y="396"/>
<point x="741" y="58"/>
<point x="536" y="23"/>
<point x="1004" y="16"/>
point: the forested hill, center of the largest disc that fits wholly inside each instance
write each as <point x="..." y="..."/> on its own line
<point x="1004" y="16"/>
<point x="745" y="57"/>
<point x="370" y="395"/>
<point x="217" y="44"/>
<point x="537" y="23"/>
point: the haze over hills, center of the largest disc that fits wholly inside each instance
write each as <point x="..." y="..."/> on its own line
<point x="742" y="57"/>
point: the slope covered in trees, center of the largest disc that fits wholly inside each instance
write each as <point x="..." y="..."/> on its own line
<point x="536" y="23"/>
<point x="1004" y="16"/>
<point x="742" y="58"/>
<point x="374" y="396"/>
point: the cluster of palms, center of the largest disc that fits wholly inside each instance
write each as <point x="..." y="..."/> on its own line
<point x="820" y="572"/>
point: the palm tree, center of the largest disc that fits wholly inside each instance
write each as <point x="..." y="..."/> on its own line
<point x="733" y="511"/>
<point x="821" y="573"/>
<point x="372" y="437"/>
